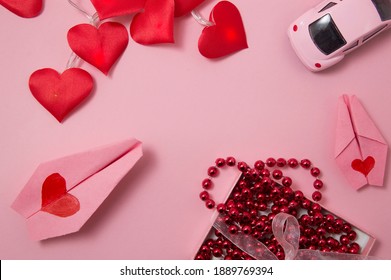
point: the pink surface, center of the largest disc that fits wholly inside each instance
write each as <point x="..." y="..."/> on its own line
<point x="187" y="110"/>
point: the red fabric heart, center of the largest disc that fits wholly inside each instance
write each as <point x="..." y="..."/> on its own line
<point x="60" y="94"/>
<point x="107" y="9"/>
<point x="156" y="24"/>
<point x="101" y="46"/>
<point x="364" y="166"/>
<point x="182" y="7"/>
<point x="226" y="36"/>
<point x="23" y="8"/>
<point x="55" y="199"/>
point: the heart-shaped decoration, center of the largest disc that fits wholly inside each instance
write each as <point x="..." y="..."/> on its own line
<point x="55" y="198"/>
<point x="365" y="166"/>
<point x="156" y="24"/>
<point x="101" y="46"/>
<point x="23" y="8"/>
<point x="226" y="36"/>
<point x="107" y="9"/>
<point x="183" y="7"/>
<point x="60" y="94"/>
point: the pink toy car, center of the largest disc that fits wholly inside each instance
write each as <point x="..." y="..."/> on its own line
<point x="322" y="36"/>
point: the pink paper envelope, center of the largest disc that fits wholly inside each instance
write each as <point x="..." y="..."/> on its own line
<point x="62" y="194"/>
<point x="360" y="149"/>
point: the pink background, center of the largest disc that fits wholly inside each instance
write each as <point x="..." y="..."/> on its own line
<point x="187" y="110"/>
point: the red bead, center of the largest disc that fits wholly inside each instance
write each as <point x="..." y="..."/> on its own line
<point x="220" y="162"/>
<point x="210" y="204"/>
<point x="207" y="183"/>
<point x="199" y="257"/>
<point x="352" y="235"/>
<point x="259" y="165"/>
<point x="318" y="184"/>
<point x="306" y="204"/>
<point x="205" y="249"/>
<point x="265" y="173"/>
<point x="221" y="208"/>
<point x="344" y="239"/>
<point x="228" y="258"/>
<point x="292" y="162"/>
<point x="233" y="229"/>
<point x="277" y="174"/>
<point x="231" y="161"/>
<point x="329" y="218"/>
<point x="213" y="171"/>
<point x="305" y="163"/>
<point x="316" y="207"/>
<point x="217" y="252"/>
<point x="280" y="255"/>
<point x="281" y="162"/>
<point x="315" y="171"/>
<point x="286" y="181"/>
<point x="284" y="209"/>
<point x="242" y="166"/>
<point x="246" y="229"/>
<point x="270" y="162"/>
<point x="338" y="223"/>
<point x="204" y="195"/>
<point x="318" y="218"/>
<point x="262" y="207"/>
<point x="321" y="231"/>
<point x="305" y="220"/>
<point x="316" y="196"/>
<point x="347" y="228"/>
<point x="299" y="195"/>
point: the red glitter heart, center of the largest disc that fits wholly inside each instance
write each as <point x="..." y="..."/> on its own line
<point x="155" y="25"/>
<point x="183" y="7"/>
<point x="56" y="200"/>
<point x="60" y="94"/>
<point x="226" y="36"/>
<point x="365" y="166"/>
<point x="23" y="8"/>
<point x="107" y="9"/>
<point x="101" y="46"/>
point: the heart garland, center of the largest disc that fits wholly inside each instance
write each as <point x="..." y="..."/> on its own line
<point x="226" y="36"/>
<point x="25" y="9"/>
<point x="156" y="24"/>
<point x="60" y="94"/>
<point x="55" y="198"/>
<point x="102" y="44"/>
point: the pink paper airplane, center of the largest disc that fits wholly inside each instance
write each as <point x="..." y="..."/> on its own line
<point x="360" y="149"/>
<point x="63" y="194"/>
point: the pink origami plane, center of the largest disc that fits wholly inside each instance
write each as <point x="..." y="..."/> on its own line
<point x="360" y="149"/>
<point x="63" y="194"/>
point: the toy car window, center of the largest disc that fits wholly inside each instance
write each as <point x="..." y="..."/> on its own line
<point x="383" y="8"/>
<point x="328" y="6"/>
<point x="369" y="36"/>
<point x="325" y="34"/>
<point x="355" y="44"/>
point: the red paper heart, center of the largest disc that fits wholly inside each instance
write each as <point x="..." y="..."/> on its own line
<point x="107" y="9"/>
<point x="101" y="46"/>
<point x="226" y="36"/>
<point x="60" y="94"/>
<point x="183" y="7"/>
<point x="156" y="24"/>
<point x="55" y="199"/>
<point x="23" y="8"/>
<point x="364" y="166"/>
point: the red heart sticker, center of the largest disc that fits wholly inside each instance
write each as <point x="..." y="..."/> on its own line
<point x="60" y="94"/>
<point x="183" y="7"/>
<point x="56" y="200"/>
<point x="107" y="9"/>
<point x="101" y="46"/>
<point x="226" y="36"/>
<point x="25" y="9"/>
<point x="156" y="24"/>
<point x="365" y="166"/>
